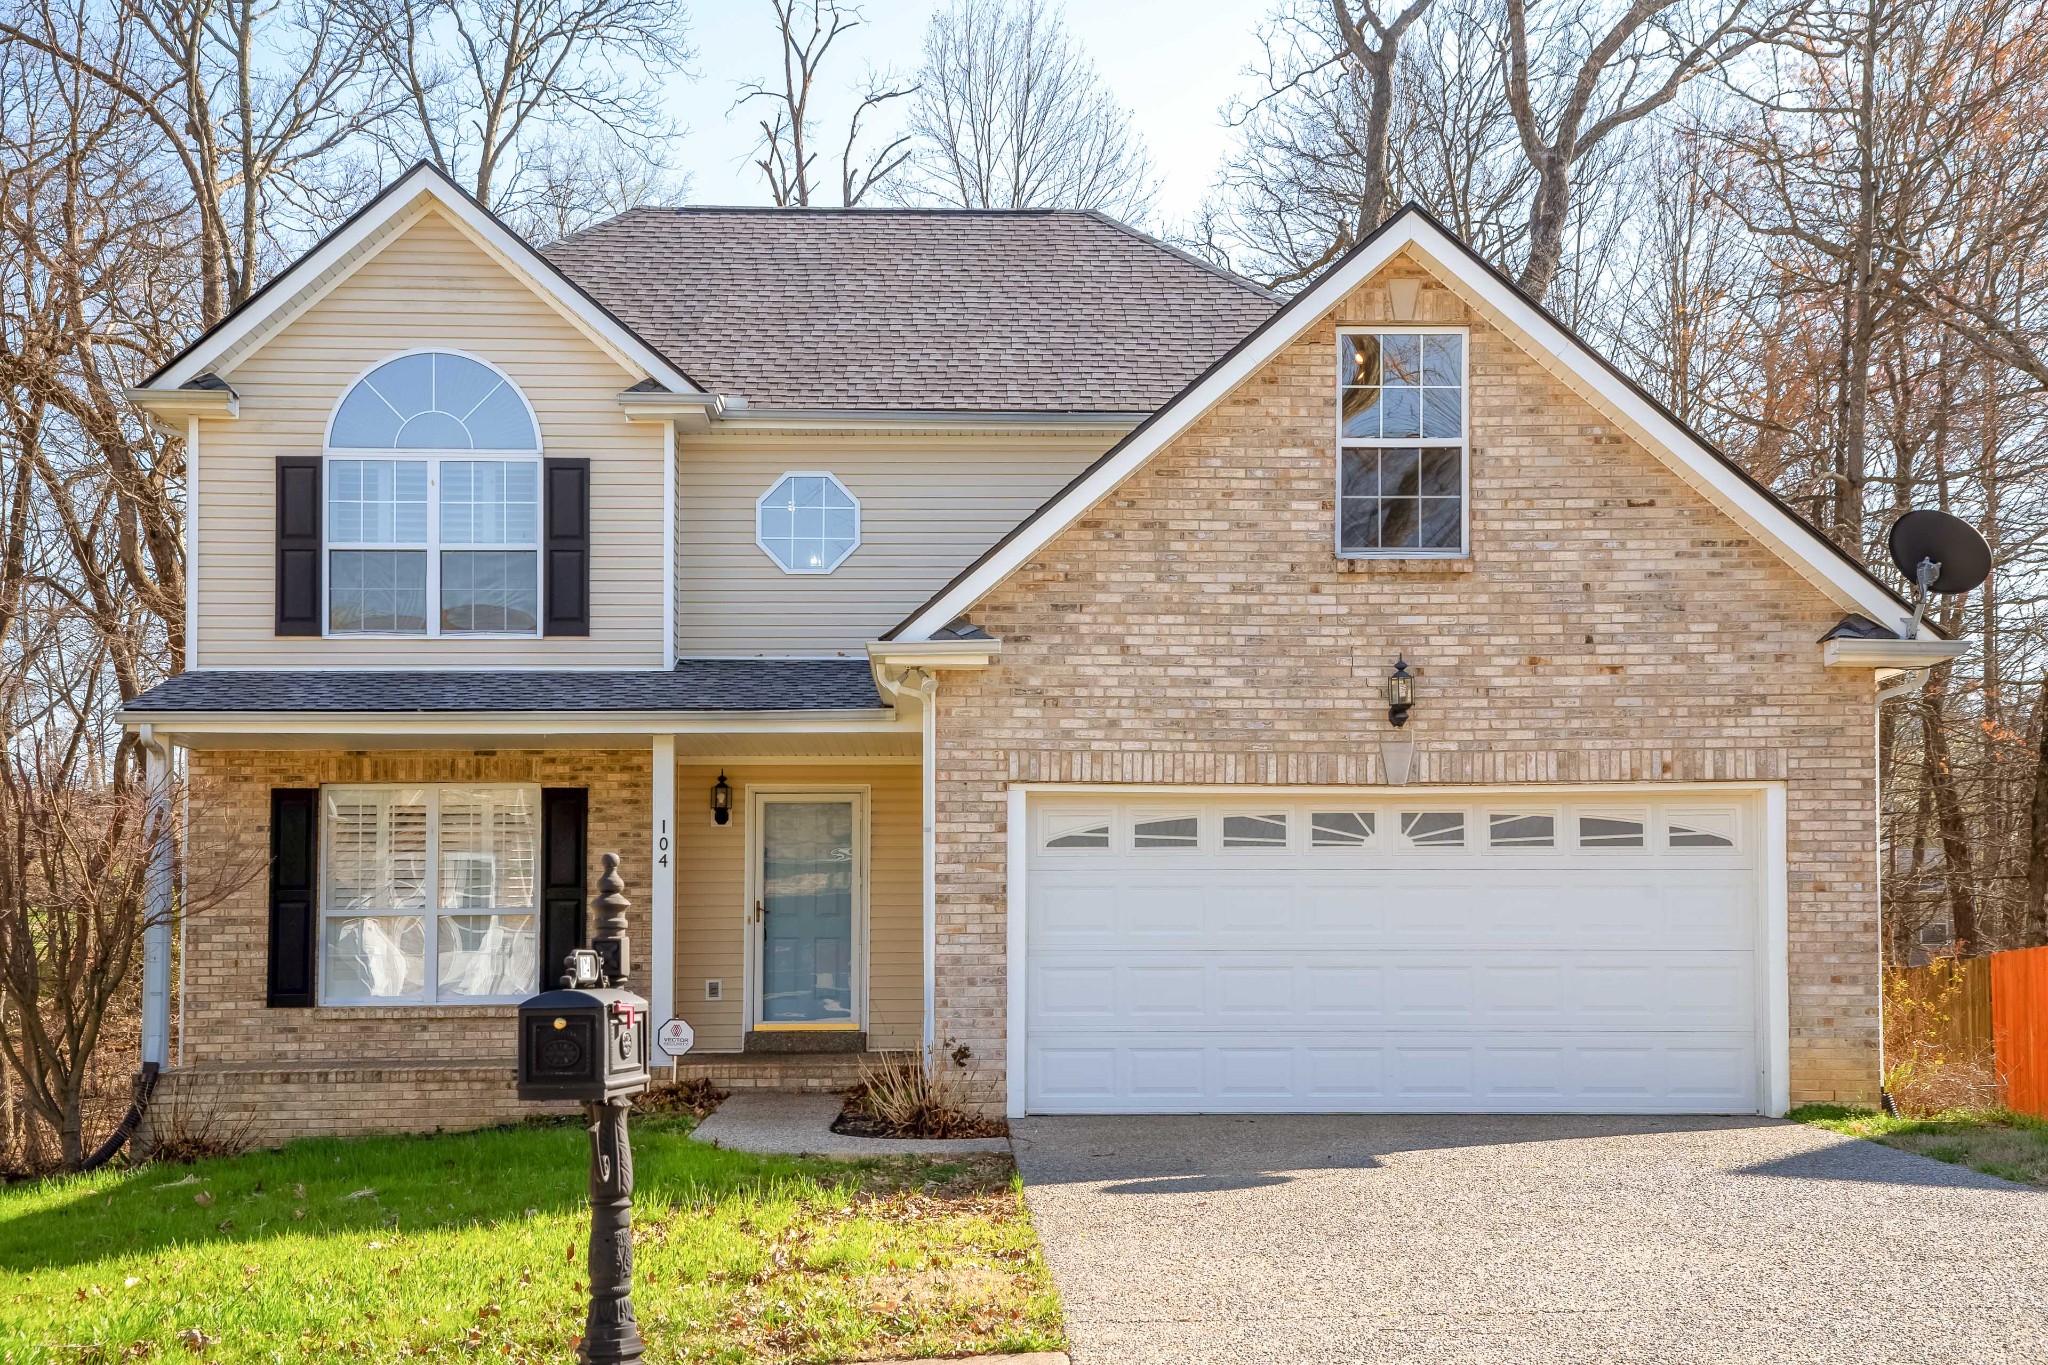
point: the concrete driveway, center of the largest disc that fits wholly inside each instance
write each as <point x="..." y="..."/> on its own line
<point x="1444" y="1239"/>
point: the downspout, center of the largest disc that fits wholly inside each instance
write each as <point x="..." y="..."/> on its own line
<point x="1909" y="681"/>
<point x="157" y="909"/>
<point x="928" y="697"/>
<point x="924" y="685"/>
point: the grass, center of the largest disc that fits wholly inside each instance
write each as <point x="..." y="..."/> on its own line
<point x="471" y="1246"/>
<point x="1993" y="1141"/>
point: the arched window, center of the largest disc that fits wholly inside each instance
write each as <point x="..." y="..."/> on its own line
<point x="430" y="525"/>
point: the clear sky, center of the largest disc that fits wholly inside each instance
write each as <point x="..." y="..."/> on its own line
<point x="1174" y="65"/>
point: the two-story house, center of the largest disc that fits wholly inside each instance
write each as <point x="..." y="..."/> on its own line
<point x="1000" y="633"/>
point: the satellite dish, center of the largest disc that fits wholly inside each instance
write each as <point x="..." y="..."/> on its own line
<point x="1939" y="553"/>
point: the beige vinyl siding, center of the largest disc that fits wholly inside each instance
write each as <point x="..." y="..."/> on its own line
<point x="711" y="896"/>
<point x="429" y="287"/>
<point x="928" y="507"/>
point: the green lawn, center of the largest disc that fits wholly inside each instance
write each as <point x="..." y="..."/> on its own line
<point x="1997" y="1142"/>
<point x="471" y="1247"/>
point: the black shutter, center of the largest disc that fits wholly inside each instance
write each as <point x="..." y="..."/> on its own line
<point x="566" y="548"/>
<point x="294" y="870"/>
<point x="564" y="860"/>
<point x="298" y="545"/>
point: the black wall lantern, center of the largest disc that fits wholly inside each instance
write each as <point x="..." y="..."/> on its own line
<point x="1400" y="693"/>
<point x="721" y="801"/>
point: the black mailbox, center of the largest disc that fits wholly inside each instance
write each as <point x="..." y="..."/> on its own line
<point x="582" y="1045"/>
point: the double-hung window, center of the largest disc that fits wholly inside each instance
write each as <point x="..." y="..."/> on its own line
<point x="1401" y="443"/>
<point x="443" y="538"/>
<point x="428" y="894"/>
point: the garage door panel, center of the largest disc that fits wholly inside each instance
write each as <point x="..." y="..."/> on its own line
<point x="1424" y="1073"/>
<point x="1208" y="979"/>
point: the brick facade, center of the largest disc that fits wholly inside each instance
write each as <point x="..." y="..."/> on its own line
<point x="1610" y="625"/>
<point x="283" y="1073"/>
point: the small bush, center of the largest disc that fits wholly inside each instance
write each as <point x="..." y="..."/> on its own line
<point x="697" y="1097"/>
<point x="1928" y="1068"/>
<point x="185" y="1128"/>
<point x="914" y="1095"/>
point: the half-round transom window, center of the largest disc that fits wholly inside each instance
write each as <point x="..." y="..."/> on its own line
<point x="808" y="523"/>
<point x="433" y="401"/>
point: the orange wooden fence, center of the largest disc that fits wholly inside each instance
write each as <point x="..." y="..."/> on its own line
<point x="1966" y="1025"/>
<point x="2019" y="1027"/>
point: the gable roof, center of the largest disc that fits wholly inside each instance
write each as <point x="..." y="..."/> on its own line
<point x="927" y="309"/>
<point x="390" y="211"/>
<point x="1842" y="577"/>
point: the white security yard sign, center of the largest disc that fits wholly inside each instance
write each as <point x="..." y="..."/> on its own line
<point x="676" y="1037"/>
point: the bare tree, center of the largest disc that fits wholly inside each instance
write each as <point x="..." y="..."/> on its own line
<point x="1566" y="102"/>
<point x="490" y="84"/>
<point x="1010" y="113"/>
<point x="786" y="152"/>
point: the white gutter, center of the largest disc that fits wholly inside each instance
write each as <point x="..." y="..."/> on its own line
<point x="739" y="417"/>
<point x="486" y="723"/>
<point x="1905" y="655"/>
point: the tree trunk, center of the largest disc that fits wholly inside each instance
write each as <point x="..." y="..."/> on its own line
<point x="1547" y="215"/>
<point x="2035" y="929"/>
<point x="1948" y="815"/>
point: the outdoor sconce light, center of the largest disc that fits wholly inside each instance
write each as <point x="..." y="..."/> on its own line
<point x="721" y="801"/>
<point x="1400" y="693"/>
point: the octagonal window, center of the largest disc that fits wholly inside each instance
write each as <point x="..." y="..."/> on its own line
<point x="808" y="522"/>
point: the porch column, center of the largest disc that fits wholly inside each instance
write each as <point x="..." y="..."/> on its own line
<point x="157" y="905"/>
<point x="661" y="949"/>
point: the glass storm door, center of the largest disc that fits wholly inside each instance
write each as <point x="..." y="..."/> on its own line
<point x="808" y="885"/>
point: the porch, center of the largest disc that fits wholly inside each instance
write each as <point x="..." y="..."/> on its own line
<point x="436" y="875"/>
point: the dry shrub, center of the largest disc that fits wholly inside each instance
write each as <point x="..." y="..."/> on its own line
<point x="913" y="1095"/>
<point x="697" y="1096"/>
<point x="185" y="1128"/>
<point x="1928" y="1066"/>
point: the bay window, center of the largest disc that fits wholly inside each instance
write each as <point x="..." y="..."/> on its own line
<point x="427" y="894"/>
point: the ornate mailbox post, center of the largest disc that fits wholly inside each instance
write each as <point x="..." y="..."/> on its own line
<point x="588" y="1041"/>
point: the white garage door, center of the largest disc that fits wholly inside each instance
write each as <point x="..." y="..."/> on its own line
<point x="1421" y="954"/>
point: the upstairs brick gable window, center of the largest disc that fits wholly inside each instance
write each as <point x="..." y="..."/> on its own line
<point x="433" y="514"/>
<point x="1401" y="443"/>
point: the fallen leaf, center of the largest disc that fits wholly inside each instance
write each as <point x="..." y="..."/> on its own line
<point x="299" y="1190"/>
<point x="224" y="1225"/>
<point x="195" y="1340"/>
<point x="376" y="1246"/>
<point x="298" y="1213"/>
<point x="204" y="1199"/>
<point x="364" y="1193"/>
<point x="131" y="1282"/>
<point x="489" y="1310"/>
<point x="191" y="1179"/>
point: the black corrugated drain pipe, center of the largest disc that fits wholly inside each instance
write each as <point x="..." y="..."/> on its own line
<point x="145" y="1087"/>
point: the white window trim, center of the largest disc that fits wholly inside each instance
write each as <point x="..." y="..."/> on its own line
<point x="432" y="547"/>
<point x="431" y="911"/>
<point x="1464" y="550"/>
<point x="761" y="543"/>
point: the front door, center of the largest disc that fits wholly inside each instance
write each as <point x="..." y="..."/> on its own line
<point x="807" y="908"/>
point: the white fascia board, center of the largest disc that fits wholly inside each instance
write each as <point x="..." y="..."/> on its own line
<point x="408" y="196"/>
<point x="174" y="407"/>
<point x="1904" y="655"/>
<point x="1662" y="436"/>
<point x="957" y="654"/>
<point x="343" y="725"/>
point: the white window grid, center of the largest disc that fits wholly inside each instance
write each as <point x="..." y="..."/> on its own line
<point x="431" y="910"/>
<point x="1463" y="445"/>
<point x="802" y="570"/>
<point x="433" y="545"/>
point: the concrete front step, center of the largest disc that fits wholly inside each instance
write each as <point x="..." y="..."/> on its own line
<point x="795" y="1072"/>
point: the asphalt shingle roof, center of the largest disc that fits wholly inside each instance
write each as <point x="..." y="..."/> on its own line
<point x="692" y="685"/>
<point x="946" y="310"/>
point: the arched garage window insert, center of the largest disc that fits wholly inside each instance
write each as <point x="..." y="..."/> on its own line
<point x="433" y="518"/>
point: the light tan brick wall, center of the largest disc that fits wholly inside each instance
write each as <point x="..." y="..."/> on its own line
<point x="1610" y="626"/>
<point x="356" y="1069"/>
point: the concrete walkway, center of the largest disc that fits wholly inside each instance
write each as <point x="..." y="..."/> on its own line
<point x="801" y="1125"/>
<point x="1445" y="1239"/>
